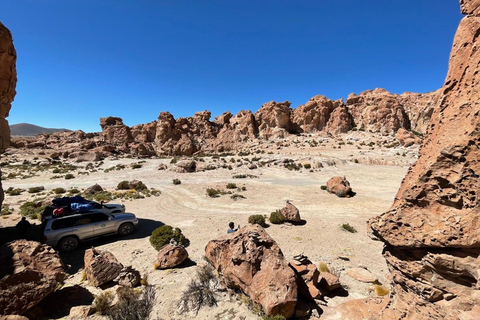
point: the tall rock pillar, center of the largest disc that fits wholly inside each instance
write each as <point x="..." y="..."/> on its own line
<point x="432" y="231"/>
<point x="8" y="81"/>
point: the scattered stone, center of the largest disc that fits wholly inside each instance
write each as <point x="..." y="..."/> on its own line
<point x="162" y="166"/>
<point x="128" y="277"/>
<point x="80" y="312"/>
<point x="186" y="166"/>
<point x="362" y="275"/>
<point x="94" y="189"/>
<point x="329" y="281"/>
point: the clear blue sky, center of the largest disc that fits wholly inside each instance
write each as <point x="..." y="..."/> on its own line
<point x="79" y="60"/>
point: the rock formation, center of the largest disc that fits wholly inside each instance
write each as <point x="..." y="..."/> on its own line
<point x="29" y="271"/>
<point x="432" y="231"/>
<point x="291" y="213"/>
<point x="250" y="260"/>
<point x="340" y="186"/>
<point x="8" y="81"/>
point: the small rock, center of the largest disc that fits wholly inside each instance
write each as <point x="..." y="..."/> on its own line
<point x="362" y="275"/>
<point x="170" y="256"/>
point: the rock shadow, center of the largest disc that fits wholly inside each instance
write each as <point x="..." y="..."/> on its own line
<point x="74" y="259"/>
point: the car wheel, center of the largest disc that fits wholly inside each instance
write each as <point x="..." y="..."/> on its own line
<point x="125" y="229"/>
<point x="68" y="244"/>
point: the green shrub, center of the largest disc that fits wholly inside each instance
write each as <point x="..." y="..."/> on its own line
<point x="307" y="165"/>
<point x="276" y="217"/>
<point x="124" y="185"/>
<point x="201" y="291"/>
<point x="174" y="160"/>
<point x="257" y="219"/>
<point x="31" y="209"/>
<point x="231" y="186"/>
<point x="59" y="190"/>
<point x="140" y="186"/>
<point x="69" y="176"/>
<point x="162" y="236"/>
<point x="14" y="192"/>
<point x="323" y="187"/>
<point x="348" y="227"/>
<point x="213" y="193"/>
<point x="135" y="166"/>
<point x="36" y="189"/>
<point x="73" y="191"/>
<point x="6" y="210"/>
<point x="277" y="317"/>
<point x="176" y="181"/>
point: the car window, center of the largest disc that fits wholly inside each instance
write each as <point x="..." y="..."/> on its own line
<point x="63" y="223"/>
<point x="97" y="217"/>
<point x="84" y="220"/>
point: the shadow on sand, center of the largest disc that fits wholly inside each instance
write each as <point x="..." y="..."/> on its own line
<point x="74" y="259"/>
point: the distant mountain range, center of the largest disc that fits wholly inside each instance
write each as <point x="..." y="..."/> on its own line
<point x="27" y="129"/>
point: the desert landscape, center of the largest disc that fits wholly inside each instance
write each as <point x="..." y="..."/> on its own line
<point x="357" y="208"/>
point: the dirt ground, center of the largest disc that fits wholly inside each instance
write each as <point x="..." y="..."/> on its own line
<point x="374" y="173"/>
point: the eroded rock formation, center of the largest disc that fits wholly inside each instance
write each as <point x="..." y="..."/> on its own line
<point x="432" y="232"/>
<point x="29" y="271"/>
<point x="8" y="81"/>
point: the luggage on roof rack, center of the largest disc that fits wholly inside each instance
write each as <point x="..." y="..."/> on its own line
<point x="66" y="201"/>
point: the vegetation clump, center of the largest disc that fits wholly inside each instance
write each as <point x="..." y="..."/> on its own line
<point x="213" y="193"/>
<point x="200" y="292"/>
<point x="69" y="176"/>
<point x="257" y="219"/>
<point x="276" y="217"/>
<point x="36" y="189"/>
<point x="32" y="209"/>
<point x="348" y="227"/>
<point x="103" y="302"/>
<point x="162" y="236"/>
<point x="231" y="186"/>
<point x="176" y="181"/>
<point x="133" y="304"/>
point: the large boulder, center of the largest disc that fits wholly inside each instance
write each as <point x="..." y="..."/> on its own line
<point x="114" y="131"/>
<point x="101" y="266"/>
<point x="432" y="231"/>
<point x="291" y="213"/>
<point x="339" y="186"/>
<point x="406" y="138"/>
<point x="170" y="256"/>
<point x="29" y="271"/>
<point x="250" y="260"/>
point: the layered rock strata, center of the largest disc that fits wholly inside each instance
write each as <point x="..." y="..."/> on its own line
<point x="432" y="232"/>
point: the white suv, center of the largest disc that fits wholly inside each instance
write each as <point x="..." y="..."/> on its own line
<point x="65" y="232"/>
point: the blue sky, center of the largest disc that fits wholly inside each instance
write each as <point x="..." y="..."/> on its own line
<point x="82" y="60"/>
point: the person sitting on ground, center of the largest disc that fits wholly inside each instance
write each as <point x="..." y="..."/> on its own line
<point x="24" y="226"/>
<point x="231" y="225"/>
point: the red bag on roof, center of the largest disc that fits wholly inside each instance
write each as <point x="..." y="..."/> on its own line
<point x="58" y="212"/>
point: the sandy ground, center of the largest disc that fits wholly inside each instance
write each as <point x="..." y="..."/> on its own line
<point x="202" y="218"/>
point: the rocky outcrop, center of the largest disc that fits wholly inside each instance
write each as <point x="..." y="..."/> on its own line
<point x="8" y="82"/>
<point x="432" y="232"/>
<point x="315" y="114"/>
<point x="101" y="267"/>
<point x="250" y="260"/>
<point x="274" y="119"/>
<point x="29" y="271"/>
<point x="115" y="132"/>
<point x="406" y="138"/>
<point x="171" y="256"/>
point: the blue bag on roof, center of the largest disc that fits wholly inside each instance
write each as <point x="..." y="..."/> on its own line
<point x="81" y="207"/>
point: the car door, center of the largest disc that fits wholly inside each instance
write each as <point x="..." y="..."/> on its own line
<point x="84" y="226"/>
<point x="102" y="224"/>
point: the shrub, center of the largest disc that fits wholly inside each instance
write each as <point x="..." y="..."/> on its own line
<point x="14" y="192"/>
<point x="237" y="196"/>
<point x="59" y="190"/>
<point x="213" y="193"/>
<point x="162" y="236"/>
<point x="200" y="292"/>
<point x="31" y="210"/>
<point x="380" y="290"/>
<point x="257" y="219"/>
<point x="348" y="227"/>
<point x="277" y="317"/>
<point x="135" y="166"/>
<point x="69" y="176"/>
<point x="276" y="217"/>
<point x="177" y="181"/>
<point x="307" y="165"/>
<point x="140" y="186"/>
<point x="133" y="304"/>
<point x="322" y="267"/>
<point x="124" y="185"/>
<point x="173" y="161"/>
<point x="73" y="191"/>
<point x="323" y="187"/>
<point x="103" y="302"/>
<point x="36" y="189"/>
<point x="231" y="186"/>
<point x="5" y="210"/>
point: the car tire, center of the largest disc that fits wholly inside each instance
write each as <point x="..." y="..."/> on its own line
<point x="67" y="244"/>
<point x="125" y="229"/>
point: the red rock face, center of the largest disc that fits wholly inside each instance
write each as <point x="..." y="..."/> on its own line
<point x="29" y="271"/>
<point x="251" y="260"/>
<point x="432" y="232"/>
